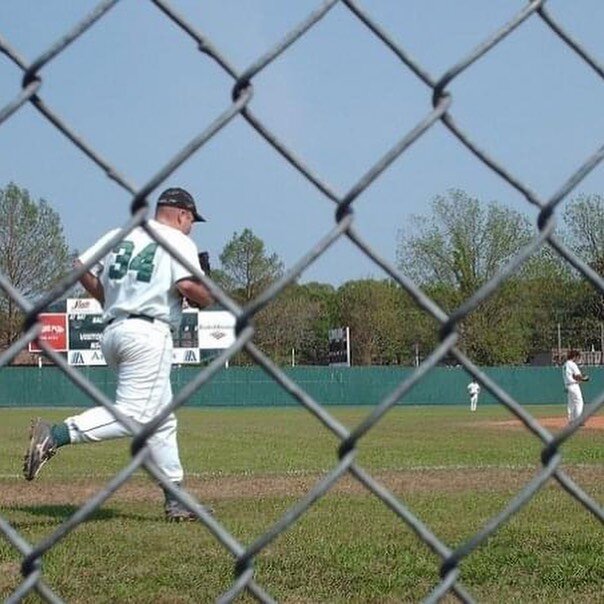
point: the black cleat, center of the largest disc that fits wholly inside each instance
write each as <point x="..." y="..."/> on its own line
<point x="177" y="512"/>
<point x="41" y="448"/>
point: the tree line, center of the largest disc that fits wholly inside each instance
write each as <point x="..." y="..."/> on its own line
<point x="449" y="252"/>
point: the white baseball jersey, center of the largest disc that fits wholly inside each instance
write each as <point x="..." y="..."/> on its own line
<point x="139" y="276"/>
<point x="569" y="369"/>
<point x="473" y="388"/>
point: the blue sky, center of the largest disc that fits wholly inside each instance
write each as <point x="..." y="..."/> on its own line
<point x="137" y="90"/>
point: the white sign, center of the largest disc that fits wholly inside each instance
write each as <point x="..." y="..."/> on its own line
<point x="85" y="357"/>
<point x="84" y="306"/>
<point x="216" y="329"/>
<point x="181" y="356"/>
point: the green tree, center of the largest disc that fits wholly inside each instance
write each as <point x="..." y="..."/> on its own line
<point x="454" y="250"/>
<point x="246" y="267"/>
<point x="462" y="242"/>
<point x="321" y="297"/>
<point x="33" y="253"/>
<point x="374" y="312"/>
<point x="584" y="222"/>
<point x="298" y="319"/>
<point x="498" y="331"/>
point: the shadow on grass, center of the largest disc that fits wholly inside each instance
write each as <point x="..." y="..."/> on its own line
<point x="61" y="513"/>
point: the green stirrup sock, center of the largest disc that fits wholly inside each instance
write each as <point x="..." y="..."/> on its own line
<point x="60" y="434"/>
<point x="167" y="495"/>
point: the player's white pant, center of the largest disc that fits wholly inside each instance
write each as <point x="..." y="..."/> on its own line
<point x="473" y="402"/>
<point x="141" y="354"/>
<point x="574" y="401"/>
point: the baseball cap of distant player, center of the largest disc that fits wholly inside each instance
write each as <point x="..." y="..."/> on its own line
<point x="179" y="198"/>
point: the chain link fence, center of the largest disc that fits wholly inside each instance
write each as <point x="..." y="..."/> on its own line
<point x="345" y="464"/>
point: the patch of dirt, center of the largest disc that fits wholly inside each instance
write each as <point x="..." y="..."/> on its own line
<point x="596" y="422"/>
<point x="213" y="489"/>
<point x="10" y="573"/>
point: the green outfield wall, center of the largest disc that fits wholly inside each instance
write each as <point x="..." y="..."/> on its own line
<point x="248" y="387"/>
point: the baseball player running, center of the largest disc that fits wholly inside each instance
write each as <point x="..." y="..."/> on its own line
<point x="474" y="390"/>
<point x="141" y="288"/>
<point x="572" y="378"/>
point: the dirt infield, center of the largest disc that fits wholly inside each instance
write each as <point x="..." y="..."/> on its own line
<point x="224" y="488"/>
<point x="556" y="423"/>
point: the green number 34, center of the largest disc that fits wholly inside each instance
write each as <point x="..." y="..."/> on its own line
<point x="141" y="264"/>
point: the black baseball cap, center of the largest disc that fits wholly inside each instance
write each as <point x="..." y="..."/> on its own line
<point x="179" y="198"/>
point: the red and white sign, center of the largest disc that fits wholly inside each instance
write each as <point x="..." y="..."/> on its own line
<point x="54" y="332"/>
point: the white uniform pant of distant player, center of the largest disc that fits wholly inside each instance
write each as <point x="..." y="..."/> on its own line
<point x="141" y="354"/>
<point x="574" y="401"/>
<point x="473" y="401"/>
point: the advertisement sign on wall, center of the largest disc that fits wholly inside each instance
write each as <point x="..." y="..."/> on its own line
<point x="85" y="322"/>
<point x="216" y="329"/>
<point x="54" y="332"/>
<point x="78" y="332"/>
<point x="86" y="357"/>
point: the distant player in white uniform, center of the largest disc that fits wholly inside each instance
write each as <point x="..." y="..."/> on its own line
<point x="474" y="390"/>
<point x="572" y="378"/>
<point x="141" y="288"/>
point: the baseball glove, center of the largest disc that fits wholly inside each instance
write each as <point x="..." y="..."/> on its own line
<point x="586" y="378"/>
<point x="204" y="263"/>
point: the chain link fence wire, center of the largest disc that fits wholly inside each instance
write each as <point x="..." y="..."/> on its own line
<point x="345" y="464"/>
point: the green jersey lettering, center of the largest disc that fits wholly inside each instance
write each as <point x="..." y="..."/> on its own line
<point x="141" y="264"/>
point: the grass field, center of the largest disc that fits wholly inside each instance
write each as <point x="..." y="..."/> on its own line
<point x="452" y="469"/>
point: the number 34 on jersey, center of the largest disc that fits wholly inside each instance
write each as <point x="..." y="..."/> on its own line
<point x="141" y="265"/>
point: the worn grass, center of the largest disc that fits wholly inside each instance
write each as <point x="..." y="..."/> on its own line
<point x="453" y="470"/>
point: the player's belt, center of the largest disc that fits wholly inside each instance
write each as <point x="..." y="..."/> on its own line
<point x="134" y="316"/>
<point x="143" y="317"/>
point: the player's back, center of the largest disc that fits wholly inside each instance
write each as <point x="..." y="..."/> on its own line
<point x="138" y="275"/>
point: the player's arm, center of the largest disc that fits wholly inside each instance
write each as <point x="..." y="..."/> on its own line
<point x="90" y="279"/>
<point x="189" y="286"/>
<point x="91" y="283"/>
<point x="195" y="291"/>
